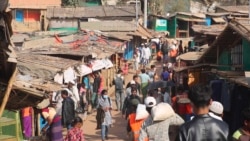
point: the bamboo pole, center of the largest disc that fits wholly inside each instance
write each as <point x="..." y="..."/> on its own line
<point x="33" y="121"/>
<point x="7" y="92"/>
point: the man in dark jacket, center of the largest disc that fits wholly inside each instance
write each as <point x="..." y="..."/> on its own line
<point x="202" y="127"/>
<point x="96" y="86"/>
<point x="68" y="109"/>
<point x="128" y="104"/>
<point x="164" y="50"/>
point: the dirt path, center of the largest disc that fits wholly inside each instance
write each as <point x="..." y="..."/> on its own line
<point x="116" y="133"/>
<point x="118" y="130"/>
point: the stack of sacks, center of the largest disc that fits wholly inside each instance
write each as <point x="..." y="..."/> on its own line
<point x="141" y="112"/>
<point x="162" y="111"/>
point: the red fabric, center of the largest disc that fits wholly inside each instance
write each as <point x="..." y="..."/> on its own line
<point x="125" y="69"/>
<point x="184" y="108"/>
<point x="101" y="85"/>
<point x="181" y="108"/>
<point x="45" y="110"/>
<point x="74" y="134"/>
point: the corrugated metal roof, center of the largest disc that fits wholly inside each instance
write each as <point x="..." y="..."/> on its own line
<point x="119" y="35"/>
<point x="109" y="26"/>
<point x="90" y="12"/>
<point x="219" y="20"/>
<point x="198" y="15"/>
<point x="217" y="14"/>
<point x="234" y="8"/>
<point x="191" y="19"/>
<point x="215" y="29"/>
<point x="34" y="4"/>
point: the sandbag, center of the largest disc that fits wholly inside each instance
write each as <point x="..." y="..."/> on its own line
<point x="141" y="112"/>
<point x="162" y="111"/>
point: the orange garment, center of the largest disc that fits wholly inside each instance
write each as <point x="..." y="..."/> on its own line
<point x="173" y="52"/>
<point x="135" y="126"/>
<point x="26" y="111"/>
<point x="159" y="54"/>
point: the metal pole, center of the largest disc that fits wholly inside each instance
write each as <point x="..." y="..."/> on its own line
<point x="136" y="13"/>
<point x="145" y="13"/>
<point x="249" y="12"/>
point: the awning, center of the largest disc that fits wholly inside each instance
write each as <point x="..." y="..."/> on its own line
<point x="108" y="63"/>
<point x="190" y="56"/>
<point x="219" y="20"/>
<point x="191" y="19"/>
<point x="83" y="70"/>
<point x="97" y="65"/>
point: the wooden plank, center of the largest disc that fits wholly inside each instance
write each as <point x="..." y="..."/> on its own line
<point x="8" y="138"/>
<point x="7" y="92"/>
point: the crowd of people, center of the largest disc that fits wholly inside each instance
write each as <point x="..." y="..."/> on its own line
<point x="152" y="110"/>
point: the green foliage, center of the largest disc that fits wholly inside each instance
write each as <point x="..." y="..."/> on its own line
<point x="161" y="7"/>
<point x="68" y="2"/>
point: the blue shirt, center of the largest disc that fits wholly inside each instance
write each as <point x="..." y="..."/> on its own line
<point x="86" y="82"/>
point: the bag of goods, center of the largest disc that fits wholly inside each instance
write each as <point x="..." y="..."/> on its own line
<point x="141" y="112"/>
<point x="162" y="111"/>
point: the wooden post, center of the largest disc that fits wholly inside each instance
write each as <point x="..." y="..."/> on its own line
<point x="217" y="59"/>
<point x="17" y="125"/>
<point x="7" y="92"/>
<point x="38" y="124"/>
<point x="108" y="78"/>
<point x="33" y="121"/>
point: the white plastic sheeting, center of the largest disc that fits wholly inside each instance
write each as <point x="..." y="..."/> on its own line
<point x="108" y="63"/>
<point x="69" y="75"/>
<point x="97" y="65"/>
<point x="84" y="70"/>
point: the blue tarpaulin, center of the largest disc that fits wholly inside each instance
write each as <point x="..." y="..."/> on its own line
<point x="129" y="51"/>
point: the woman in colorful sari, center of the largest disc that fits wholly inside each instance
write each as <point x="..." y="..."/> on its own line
<point x="53" y="128"/>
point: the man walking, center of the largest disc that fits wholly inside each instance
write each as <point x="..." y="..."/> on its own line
<point x="68" y="109"/>
<point x="119" y="90"/>
<point x="96" y="86"/>
<point x="202" y="127"/>
<point x="145" y="79"/>
<point x="128" y="106"/>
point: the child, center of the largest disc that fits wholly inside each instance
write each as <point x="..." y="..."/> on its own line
<point x="75" y="133"/>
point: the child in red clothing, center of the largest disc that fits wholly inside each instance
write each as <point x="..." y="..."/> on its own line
<point x="125" y="67"/>
<point x="75" y="133"/>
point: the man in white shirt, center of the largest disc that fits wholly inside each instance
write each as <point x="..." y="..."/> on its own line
<point x="73" y="92"/>
<point x="146" y="54"/>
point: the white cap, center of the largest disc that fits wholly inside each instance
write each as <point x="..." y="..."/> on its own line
<point x="174" y="42"/>
<point x="132" y="82"/>
<point x="150" y="101"/>
<point x="216" y="107"/>
<point x="43" y="104"/>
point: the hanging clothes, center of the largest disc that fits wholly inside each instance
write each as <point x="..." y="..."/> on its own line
<point x="216" y="86"/>
<point x="240" y="100"/>
<point x="225" y="96"/>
